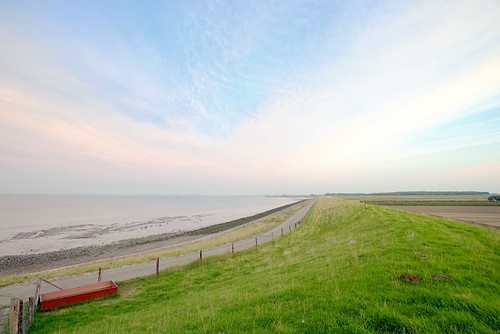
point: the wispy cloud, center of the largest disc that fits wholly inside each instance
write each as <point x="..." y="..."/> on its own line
<point x="265" y="98"/>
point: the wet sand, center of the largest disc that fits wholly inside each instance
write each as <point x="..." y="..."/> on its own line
<point x="30" y="263"/>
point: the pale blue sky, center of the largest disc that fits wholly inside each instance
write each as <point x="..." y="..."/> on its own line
<point x="258" y="97"/>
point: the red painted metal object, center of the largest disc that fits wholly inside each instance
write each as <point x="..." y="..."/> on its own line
<point x="75" y="295"/>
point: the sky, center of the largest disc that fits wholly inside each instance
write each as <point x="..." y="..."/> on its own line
<point x="249" y="97"/>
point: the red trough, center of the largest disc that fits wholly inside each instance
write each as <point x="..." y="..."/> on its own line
<point x="75" y="295"/>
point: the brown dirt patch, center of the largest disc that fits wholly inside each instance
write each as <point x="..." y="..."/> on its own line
<point x="441" y="277"/>
<point x="488" y="216"/>
<point x="409" y="278"/>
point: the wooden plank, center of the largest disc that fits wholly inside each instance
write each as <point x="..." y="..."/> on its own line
<point x="78" y="294"/>
<point x="49" y="282"/>
<point x="37" y="291"/>
<point x="14" y="315"/>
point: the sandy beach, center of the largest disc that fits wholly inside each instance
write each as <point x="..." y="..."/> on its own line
<point x="30" y="263"/>
<point x="32" y="224"/>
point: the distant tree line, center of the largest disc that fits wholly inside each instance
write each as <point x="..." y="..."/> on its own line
<point x="414" y="193"/>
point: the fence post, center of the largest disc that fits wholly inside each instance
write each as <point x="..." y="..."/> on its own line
<point x="20" y="320"/>
<point x="232" y="248"/>
<point x="201" y="255"/>
<point x="290" y="228"/>
<point x="282" y="231"/>
<point x="255" y="241"/>
<point x="99" y="275"/>
<point x="31" y="311"/>
<point x="14" y="315"/>
<point x="37" y="291"/>
<point x="157" y="266"/>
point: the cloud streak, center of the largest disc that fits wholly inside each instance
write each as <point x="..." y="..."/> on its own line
<point x="235" y="99"/>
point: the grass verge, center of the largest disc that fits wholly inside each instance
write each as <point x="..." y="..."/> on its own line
<point x="433" y="203"/>
<point x="335" y="274"/>
<point x="232" y="235"/>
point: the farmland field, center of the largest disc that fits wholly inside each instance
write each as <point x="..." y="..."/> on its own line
<point x="482" y="215"/>
<point x="346" y="269"/>
<point x="475" y="209"/>
<point x="483" y="199"/>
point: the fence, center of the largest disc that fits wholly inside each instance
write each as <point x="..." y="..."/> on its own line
<point x="22" y="313"/>
<point x="4" y="311"/>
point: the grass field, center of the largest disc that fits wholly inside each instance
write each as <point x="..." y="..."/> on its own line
<point x="481" y="215"/>
<point x="334" y="274"/>
<point x="409" y="202"/>
<point x="238" y="233"/>
<point x="474" y="209"/>
<point x="424" y="200"/>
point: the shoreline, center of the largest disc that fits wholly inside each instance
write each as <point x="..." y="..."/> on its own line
<point x="37" y="262"/>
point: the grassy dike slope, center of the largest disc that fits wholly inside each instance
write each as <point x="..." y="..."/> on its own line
<point x="334" y="274"/>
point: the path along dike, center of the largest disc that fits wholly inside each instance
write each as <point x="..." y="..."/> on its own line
<point x="24" y="291"/>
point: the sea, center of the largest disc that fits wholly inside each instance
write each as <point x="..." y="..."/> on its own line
<point x="42" y="223"/>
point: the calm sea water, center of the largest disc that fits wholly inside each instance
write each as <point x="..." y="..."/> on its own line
<point x="41" y="223"/>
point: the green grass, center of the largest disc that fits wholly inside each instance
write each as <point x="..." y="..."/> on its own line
<point x="425" y="200"/>
<point x="261" y="225"/>
<point x="431" y="203"/>
<point x="334" y="274"/>
<point x="417" y="198"/>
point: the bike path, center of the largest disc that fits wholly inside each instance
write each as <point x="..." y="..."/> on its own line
<point x="24" y="291"/>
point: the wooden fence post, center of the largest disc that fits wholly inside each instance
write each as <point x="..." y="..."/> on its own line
<point x="31" y="311"/>
<point x="37" y="291"/>
<point x="157" y="266"/>
<point x="232" y="248"/>
<point x="20" y="319"/>
<point x="290" y="228"/>
<point x="282" y="231"/>
<point x="201" y="255"/>
<point x="255" y="241"/>
<point x="14" y="315"/>
<point x="99" y="275"/>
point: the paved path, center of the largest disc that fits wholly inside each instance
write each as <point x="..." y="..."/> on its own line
<point x="24" y="291"/>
